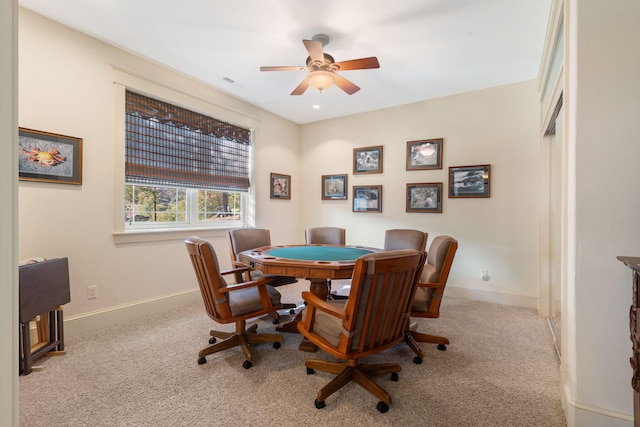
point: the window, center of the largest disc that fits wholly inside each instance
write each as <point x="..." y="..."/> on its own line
<point x="183" y="168"/>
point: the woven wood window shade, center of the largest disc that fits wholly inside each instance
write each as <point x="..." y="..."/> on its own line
<point x="172" y="146"/>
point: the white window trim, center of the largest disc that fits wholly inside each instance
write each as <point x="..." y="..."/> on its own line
<point x="185" y="93"/>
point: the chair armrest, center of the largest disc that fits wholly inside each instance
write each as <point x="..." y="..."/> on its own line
<point x="251" y="284"/>
<point x="315" y="302"/>
<point x="238" y="269"/>
<point x="429" y="285"/>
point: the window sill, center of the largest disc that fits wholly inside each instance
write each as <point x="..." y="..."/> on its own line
<point x="169" y="234"/>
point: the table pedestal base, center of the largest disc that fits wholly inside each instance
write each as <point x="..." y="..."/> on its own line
<point x="320" y="288"/>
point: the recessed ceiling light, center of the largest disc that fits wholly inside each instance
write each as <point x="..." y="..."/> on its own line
<point x="315" y="107"/>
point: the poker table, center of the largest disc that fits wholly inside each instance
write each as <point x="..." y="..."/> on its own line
<point x="316" y="263"/>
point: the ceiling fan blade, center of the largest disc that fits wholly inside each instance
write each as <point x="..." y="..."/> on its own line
<point x="315" y="50"/>
<point x="283" y="68"/>
<point x="301" y="88"/>
<point x="346" y="85"/>
<point x="358" y="64"/>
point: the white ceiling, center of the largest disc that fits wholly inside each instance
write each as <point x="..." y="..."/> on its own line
<point x="426" y="48"/>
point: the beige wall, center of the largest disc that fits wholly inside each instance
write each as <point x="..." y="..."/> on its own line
<point x="497" y="126"/>
<point x="66" y="86"/>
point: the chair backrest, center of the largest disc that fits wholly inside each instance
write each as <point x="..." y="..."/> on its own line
<point x="436" y="272"/>
<point x="382" y="288"/>
<point x="205" y="263"/>
<point x="325" y="236"/>
<point x="398" y="239"/>
<point x="243" y="239"/>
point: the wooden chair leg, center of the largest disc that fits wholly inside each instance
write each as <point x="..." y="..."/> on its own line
<point x="230" y="342"/>
<point x="431" y="339"/>
<point x="370" y="385"/>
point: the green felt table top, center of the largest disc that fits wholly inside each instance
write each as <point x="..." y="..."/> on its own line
<point x="319" y="253"/>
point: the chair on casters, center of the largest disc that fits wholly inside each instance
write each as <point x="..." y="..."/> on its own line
<point x="394" y="239"/>
<point x="429" y="293"/>
<point x="371" y="320"/>
<point x="231" y="303"/>
<point x="243" y="239"/>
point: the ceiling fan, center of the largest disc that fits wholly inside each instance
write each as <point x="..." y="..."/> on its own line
<point x="323" y="70"/>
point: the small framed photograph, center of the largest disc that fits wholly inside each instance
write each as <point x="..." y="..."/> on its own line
<point x="367" y="160"/>
<point x="424" y="197"/>
<point x="367" y="198"/>
<point x="49" y="157"/>
<point x="470" y="181"/>
<point x="280" y="186"/>
<point x="334" y="187"/>
<point x="424" y="154"/>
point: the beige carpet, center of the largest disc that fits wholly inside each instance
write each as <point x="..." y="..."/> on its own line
<point x="500" y="370"/>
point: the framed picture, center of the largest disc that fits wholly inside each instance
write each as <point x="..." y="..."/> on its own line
<point x="367" y="198"/>
<point x="280" y="186"/>
<point x="334" y="187"/>
<point x="424" y="197"/>
<point x="470" y="181"/>
<point x="49" y="157"/>
<point x="424" y="154"/>
<point x="367" y="160"/>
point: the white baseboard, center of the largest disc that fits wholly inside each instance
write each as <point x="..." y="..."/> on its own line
<point x="581" y="415"/>
<point x="527" y="301"/>
<point x="95" y="320"/>
<point x="126" y="313"/>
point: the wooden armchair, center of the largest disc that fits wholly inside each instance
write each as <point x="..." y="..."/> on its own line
<point x="394" y="239"/>
<point x="372" y="319"/>
<point x="243" y="239"/>
<point x="430" y="291"/>
<point x="231" y="303"/>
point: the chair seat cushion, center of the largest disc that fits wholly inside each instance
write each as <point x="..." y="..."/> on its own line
<point x="422" y="300"/>
<point x="247" y="300"/>
<point x="327" y="326"/>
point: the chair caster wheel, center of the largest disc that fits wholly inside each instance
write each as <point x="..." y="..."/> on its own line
<point x="382" y="407"/>
<point x="276" y="345"/>
<point x="442" y="347"/>
<point x="292" y="311"/>
<point x="212" y="340"/>
<point x="417" y="360"/>
<point x="247" y="364"/>
<point x="202" y="361"/>
<point x="319" y="404"/>
<point x="275" y="321"/>
<point x="310" y="371"/>
<point x="394" y="376"/>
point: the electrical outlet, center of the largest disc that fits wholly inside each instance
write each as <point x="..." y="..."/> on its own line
<point x="92" y="292"/>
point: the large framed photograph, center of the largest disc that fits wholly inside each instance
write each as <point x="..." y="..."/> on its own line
<point x="334" y="187"/>
<point x="367" y="160"/>
<point x="424" y="154"/>
<point x="49" y="157"/>
<point x="424" y="197"/>
<point x="280" y="186"/>
<point x="470" y="181"/>
<point x="367" y="198"/>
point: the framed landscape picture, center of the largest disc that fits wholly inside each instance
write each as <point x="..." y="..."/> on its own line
<point x="470" y="181"/>
<point x="280" y="186"/>
<point x="49" y="157"/>
<point x="334" y="187"/>
<point x="367" y="160"/>
<point x="424" y="197"/>
<point x="424" y="154"/>
<point x="367" y="198"/>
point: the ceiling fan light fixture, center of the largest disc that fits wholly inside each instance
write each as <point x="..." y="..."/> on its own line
<point x="320" y="79"/>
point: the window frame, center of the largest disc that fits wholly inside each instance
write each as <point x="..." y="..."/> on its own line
<point x="190" y="95"/>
